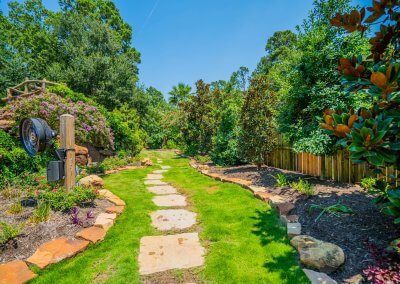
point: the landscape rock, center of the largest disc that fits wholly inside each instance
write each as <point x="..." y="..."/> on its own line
<point x="146" y="162"/>
<point x="165" y="167"/>
<point x="93" y="234"/>
<point x="80" y="150"/>
<point x="264" y="196"/>
<point x="92" y="181"/>
<point x="318" y="277"/>
<point x="203" y="167"/>
<point x="293" y="229"/>
<point x="255" y="189"/>
<point x="315" y="254"/>
<point x="105" y="220"/>
<point x="111" y="197"/>
<point x="275" y="200"/>
<point x="289" y="219"/>
<point x="56" y="250"/>
<point x="15" y="272"/>
<point x="115" y="209"/>
<point x="81" y="160"/>
<point x="285" y="208"/>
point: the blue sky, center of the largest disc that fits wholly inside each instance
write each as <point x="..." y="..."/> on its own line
<point x="187" y="40"/>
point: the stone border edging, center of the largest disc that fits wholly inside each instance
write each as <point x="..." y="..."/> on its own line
<point x="56" y="250"/>
<point x="282" y="206"/>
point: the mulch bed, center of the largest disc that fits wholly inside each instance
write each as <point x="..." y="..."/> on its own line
<point x="350" y="232"/>
<point x="33" y="235"/>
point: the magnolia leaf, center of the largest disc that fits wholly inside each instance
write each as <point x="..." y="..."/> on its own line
<point x="376" y="160"/>
<point x="379" y="79"/>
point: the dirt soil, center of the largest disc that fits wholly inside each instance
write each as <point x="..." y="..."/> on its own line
<point x="349" y="231"/>
<point x="34" y="235"/>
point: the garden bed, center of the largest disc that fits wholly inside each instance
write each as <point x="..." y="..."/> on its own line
<point x="349" y="231"/>
<point x="33" y="235"/>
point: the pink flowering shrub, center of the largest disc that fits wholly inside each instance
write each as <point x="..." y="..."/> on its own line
<point x="90" y="124"/>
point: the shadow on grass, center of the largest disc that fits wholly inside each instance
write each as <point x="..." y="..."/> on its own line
<point x="273" y="237"/>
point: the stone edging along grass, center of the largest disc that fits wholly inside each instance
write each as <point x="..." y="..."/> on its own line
<point x="282" y="206"/>
<point x="58" y="249"/>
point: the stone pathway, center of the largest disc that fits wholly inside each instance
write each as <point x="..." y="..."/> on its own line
<point x="169" y="251"/>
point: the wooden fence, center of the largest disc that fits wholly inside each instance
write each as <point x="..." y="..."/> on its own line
<point x="27" y="88"/>
<point x="336" y="167"/>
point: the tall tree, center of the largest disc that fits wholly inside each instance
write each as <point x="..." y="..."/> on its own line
<point x="258" y="127"/>
<point x="179" y="93"/>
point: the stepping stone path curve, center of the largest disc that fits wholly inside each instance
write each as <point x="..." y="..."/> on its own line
<point x="172" y="251"/>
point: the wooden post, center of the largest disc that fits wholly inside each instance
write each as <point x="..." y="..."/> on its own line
<point x="67" y="136"/>
<point x="26" y="86"/>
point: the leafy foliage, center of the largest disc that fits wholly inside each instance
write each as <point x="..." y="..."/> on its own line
<point x="371" y="134"/>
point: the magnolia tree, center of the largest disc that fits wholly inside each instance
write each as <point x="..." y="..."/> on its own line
<point x="371" y="134"/>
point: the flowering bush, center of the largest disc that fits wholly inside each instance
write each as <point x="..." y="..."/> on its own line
<point x="91" y="125"/>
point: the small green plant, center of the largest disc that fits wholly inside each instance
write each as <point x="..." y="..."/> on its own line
<point x="281" y="180"/>
<point x="368" y="183"/>
<point x="11" y="192"/>
<point x="15" y="208"/>
<point x="9" y="231"/>
<point x="303" y="186"/>
<point x="335" y="209"/>
<point x="42" y="213"/>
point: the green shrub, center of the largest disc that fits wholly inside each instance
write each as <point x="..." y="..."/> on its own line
<point x="303" y="187"/>
<point x="42" y="213"/>
<point x="368" y="183"/>
<point x="9" y="231"/>
<point x="203" y="159"/>
<point x="61" y="200"/>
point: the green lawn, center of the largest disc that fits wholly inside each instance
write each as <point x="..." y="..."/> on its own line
<point x="242" y="235"/>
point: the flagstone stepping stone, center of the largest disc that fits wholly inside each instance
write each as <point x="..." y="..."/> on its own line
<point x="56" y="250"/>
<point x="162" y="189"/>
<point x="115" y="209"/>
<point x="93" y="234"/>
<point x="170" y="219"/>
<point x="165" y="167"/>
<point x="154" y="176"/>
<point x="170" y="200"/>
<point x="105" y="220"/>
<point x="161" y="253"/>
<point x="159" y="171"/>
<point x="154" y="182"/>
<point x="15" y="272"/>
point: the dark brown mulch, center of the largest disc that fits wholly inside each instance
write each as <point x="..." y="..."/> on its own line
<point x="34" y="235"/>
<point x="347" y="231"/>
